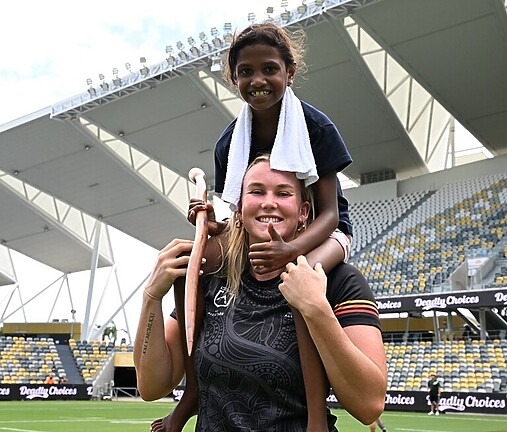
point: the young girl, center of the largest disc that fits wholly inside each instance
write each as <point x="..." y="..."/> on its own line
<point x="261" y="63"/>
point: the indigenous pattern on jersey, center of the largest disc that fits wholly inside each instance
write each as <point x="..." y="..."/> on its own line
<point x="247" y="359"/>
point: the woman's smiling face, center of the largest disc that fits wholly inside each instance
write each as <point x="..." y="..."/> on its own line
<point x="271" y="196"/>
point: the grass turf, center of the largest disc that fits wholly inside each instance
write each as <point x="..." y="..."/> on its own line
<point x="136" y="416"/>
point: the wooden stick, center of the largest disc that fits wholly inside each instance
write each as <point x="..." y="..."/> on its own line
<point x="197" y="176"/>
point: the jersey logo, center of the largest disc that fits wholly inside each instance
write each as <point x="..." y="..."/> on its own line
<point x="223" y="297"/>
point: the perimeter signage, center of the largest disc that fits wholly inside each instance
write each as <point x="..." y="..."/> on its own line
<point x="443" y="301"/>
<point x="45" y="392"/>
<point x="450" y="402"/>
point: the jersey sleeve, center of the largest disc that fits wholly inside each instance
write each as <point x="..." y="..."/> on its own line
<point x="344" y="224"/>
<point x="221" y="155"/>
<point x="330" y="154"/>
<point x="351" y="298"/>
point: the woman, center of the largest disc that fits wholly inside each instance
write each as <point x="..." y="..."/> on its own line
<point x="246" y="360"/>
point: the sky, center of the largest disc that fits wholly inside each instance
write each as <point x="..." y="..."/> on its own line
<point x="49" y="49"/>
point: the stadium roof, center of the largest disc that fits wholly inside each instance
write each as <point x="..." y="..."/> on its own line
<point x="121" y="151"/>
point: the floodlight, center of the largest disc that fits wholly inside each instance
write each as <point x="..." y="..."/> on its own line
<point x="92" y="92"/>
<point x="285" y="16"/>
<point x="206" y="47"/>
<point x="319" y="3"/>
<point x="270" y="9"/>
<point x="302" y="9"/>
<point x="104" y="86"/>
<point x="228" y="27"/>
<point x="285" y="3"/>
<point x="217" y="42"/>
<point x="128" y="66"/>
<point x="144" y="70"/>
<point x="116" y="79"/>
<point x="202" y="36"/>
<point x="194" y="51"/>
<point x="191" y="41"/>
<point x="168" y="49"/>
<point x="179" y="45"/>
<point x="228" y="37"/>
<point x="183" y="55"/>
<point x="214" y="31"/>
<point x="171" y="61"/>
<point x="251" y="17"/>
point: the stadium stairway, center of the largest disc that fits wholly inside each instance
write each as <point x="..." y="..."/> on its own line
<point x="69" y="364"/>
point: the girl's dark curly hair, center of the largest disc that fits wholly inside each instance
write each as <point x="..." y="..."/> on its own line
<point x="291" y="46"/>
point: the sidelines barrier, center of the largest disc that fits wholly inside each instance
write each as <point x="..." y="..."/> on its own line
<point x="452" y="402"/>
<point x="477" y="403"/>
<point x="45" y="392"/>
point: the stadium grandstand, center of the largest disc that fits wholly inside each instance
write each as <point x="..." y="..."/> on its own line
<point x="398" y="78"/>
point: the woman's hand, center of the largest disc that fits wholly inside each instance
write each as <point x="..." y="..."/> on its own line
<point x="304" y="287"/>
<point x="267" y="257"/>
<point x="195" y="206"/>
<point x="171" y="264"/>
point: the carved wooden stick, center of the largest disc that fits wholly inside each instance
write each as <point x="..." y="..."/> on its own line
<point x="197" y="176"/>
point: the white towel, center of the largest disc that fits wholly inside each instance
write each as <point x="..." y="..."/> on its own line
<point x="291" y="150"/>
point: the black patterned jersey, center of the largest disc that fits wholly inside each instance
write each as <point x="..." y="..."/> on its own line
<point x="247" y="359"/>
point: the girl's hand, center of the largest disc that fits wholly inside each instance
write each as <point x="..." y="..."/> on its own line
<point x="171" y="264"/>
<point x="304" y="287"/>
<point x="273" y="255"/>
<point x="195" y="206"/>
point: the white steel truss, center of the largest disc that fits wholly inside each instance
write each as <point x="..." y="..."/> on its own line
<point x="429" y="125"/>
<point x="57" y="212"/>
<point x="192" y="61"/>
<point x="171" y="186"/>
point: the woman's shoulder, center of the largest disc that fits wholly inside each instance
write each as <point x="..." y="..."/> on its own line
<point x="351" y="297"/>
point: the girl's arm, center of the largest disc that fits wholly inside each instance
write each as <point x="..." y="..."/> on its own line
<point x="353" y="357"/>
<point x="158" y="352"/>
<point x="326" y="221"/>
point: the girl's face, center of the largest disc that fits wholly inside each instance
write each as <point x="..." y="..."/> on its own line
<point x="271" y="196"/>
<point x="262" y="76"/>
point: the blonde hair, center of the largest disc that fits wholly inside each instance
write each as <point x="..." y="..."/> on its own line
<point x="236" y="239"/>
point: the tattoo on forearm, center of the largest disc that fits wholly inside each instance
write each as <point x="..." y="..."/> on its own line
<point x="151" y="318"/>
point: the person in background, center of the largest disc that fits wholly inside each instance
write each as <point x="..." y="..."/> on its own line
<point x="49" y="379"/>
<point x="434" y="391"/>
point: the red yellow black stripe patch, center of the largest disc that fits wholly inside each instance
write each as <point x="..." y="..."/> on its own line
<point x="356" y="306"/>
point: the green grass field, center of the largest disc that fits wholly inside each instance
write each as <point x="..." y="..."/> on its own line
<point x="135" y="416"/>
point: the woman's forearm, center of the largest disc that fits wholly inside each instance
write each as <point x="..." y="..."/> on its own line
<point x="353" y="357"/>
<point x="156" y="368"/>
<point x="354" y="364"/>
